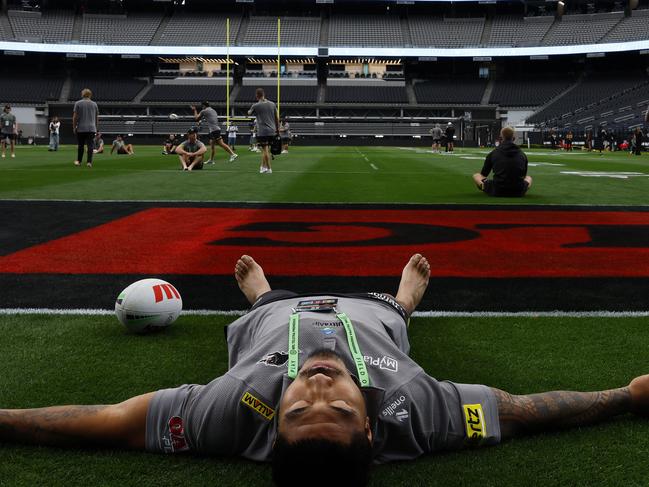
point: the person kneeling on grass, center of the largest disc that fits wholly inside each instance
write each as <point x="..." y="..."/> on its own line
<point x="191" y="151"/>
<point x="98" y="144"/>
<point x="170" y="145"/>
<point x="121" y="147"/>
<point x="306" y="397"/>
<point x="509" y="165"/>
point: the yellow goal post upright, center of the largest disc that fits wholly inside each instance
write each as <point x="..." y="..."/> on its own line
<point x="279" y="66"/>
<point x="227" y="72"/>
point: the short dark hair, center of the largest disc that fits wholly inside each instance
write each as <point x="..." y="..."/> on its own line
<point x="320" y="462"/>
<point x="259" y="93"/>
<point x="205" y="103"/>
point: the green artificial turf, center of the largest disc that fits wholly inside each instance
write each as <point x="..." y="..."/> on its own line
<point x="320" y="174"/>
<point x="90" y="359"/>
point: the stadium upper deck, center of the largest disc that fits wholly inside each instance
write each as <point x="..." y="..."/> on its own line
<point x="389" y="30"/>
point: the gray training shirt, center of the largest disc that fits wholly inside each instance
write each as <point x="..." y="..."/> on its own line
<point x="266" y="113"/>
<point x="87" y="112"/>
<point x="236" y="414"/>
<point x="210" y="116"/>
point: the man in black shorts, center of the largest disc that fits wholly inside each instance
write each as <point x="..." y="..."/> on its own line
<point x="267" y="119"/>
<point x="191" y="151"/>
<point x="509" y="165"/>
<point x="208" y="114"/>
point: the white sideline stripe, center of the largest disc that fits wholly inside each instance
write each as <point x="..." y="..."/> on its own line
<point x="374" y="167"/>
<point x="416" y="314"/>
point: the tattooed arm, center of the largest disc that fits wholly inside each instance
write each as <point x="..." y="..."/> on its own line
<point x="563" y="409"/>
<point x="559" y="409"/>
<point x="119" y="425"/>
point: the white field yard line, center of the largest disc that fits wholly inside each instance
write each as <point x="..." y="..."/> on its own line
<point x="366" y="159"/>
<point x="416" y="314"/>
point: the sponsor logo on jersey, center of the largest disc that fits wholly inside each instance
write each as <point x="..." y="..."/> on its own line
<point x="476" y="428"/>
<point x="258" y="406"/>
<point x="327" y="324"/>
<point x="176" y="441"/>
<point x="385" y="363"/>
<point x="392" y="408"/>
<point x="275" y="359"/>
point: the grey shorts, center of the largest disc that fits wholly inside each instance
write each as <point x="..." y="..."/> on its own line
<point x="165" y="425"/>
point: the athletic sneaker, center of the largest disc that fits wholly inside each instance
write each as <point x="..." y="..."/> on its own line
<point x="262" y="170"/>
<point x="269" y="171"/>
<point x="210" y="161"/>
<point x="76" y="163"/>
<point x="89" y="164"/>
<point x="233" y="157"/>
<point x="284" y="152"/>
<point x="3" y="156"/>
<point x="13" y="155"/>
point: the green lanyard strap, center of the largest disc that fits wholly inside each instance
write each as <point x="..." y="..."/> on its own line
<point x="357" y="356"/>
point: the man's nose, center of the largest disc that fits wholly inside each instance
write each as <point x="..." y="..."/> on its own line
<point x="320" y="381"/>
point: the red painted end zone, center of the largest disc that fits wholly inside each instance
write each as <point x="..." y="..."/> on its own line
<point x="471" y="243"/>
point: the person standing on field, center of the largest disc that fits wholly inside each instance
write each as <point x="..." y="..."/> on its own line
<point x="85" y="119"/>
<point x="208" y="114"/>
<point x="8" y="130"/>
<point x="54" y="127"/>
<point x="436" y="132"/>
<point x="267" y="120"/>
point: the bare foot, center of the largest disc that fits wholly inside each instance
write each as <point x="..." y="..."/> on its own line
<point x="251" y="279"/>
<point x="414" y="280"/>
<point x="639" y="390"/>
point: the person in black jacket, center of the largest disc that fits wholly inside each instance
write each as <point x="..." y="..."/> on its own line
<point x="509" y="165"/>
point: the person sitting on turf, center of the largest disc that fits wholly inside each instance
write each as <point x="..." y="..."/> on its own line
<point x="324" y="403"/>
<point x="121" y="147"/>
<point x="509" y="165"/>
<point x="98" y="144"/>
<point x="191" y="151"/>
<point x="170" y="145"/>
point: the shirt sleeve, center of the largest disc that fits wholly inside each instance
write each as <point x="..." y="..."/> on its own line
<point x="427" y="415"/>
<point x="488" y="166"/>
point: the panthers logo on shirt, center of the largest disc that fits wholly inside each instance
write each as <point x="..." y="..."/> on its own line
<point x="275" y="359"/>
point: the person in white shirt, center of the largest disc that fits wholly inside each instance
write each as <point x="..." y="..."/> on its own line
<point x="55" y="125"/>
<point x="232" y="135"/>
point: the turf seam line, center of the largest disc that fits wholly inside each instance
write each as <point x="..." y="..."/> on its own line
<point x="416" y="314"/>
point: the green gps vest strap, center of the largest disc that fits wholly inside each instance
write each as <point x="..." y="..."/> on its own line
<point x="357" y="356"/>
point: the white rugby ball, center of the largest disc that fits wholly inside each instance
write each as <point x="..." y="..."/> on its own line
<point x="173" y="116"/>
<point x="148" y="305"/>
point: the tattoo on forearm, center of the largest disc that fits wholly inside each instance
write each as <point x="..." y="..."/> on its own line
<point x="558" y="409"/>
<point x="64" y="426"/>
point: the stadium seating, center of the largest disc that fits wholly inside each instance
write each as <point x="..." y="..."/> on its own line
<point x="581" y="29"/>
<point x="186" y="93"/>
<point x="590" y="91"/>
<point x="107" y="89"/>
<point x="446" y="91"/>
<point x="527" y="93"/>
<point x="25" y="89"/>
<point x="288" y="94"/>
<point x="133" y="29"/>
<point x="195" y="29"/>
<point x="510" y="30"/>
<point x="50" y="27"/>
<point x="445" y="33"/>
<point x="295" y="31"/>
<point x="366" y="94"/>
<point x="626" y="107"/>
<point x="635" y="28"/>
<point x="365" y="31"/>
